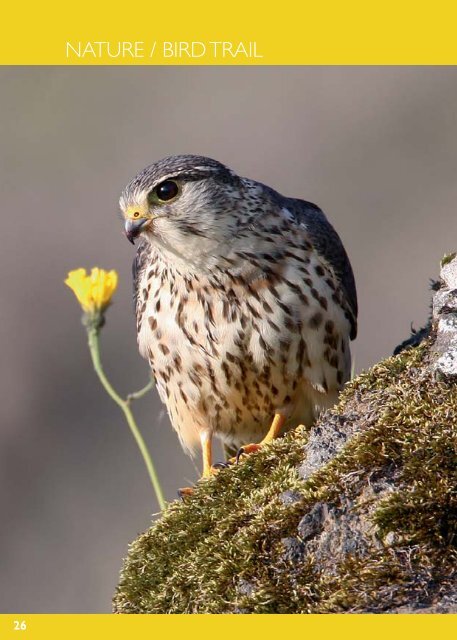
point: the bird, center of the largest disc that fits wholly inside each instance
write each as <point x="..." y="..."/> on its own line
<point x="245" y="303"/>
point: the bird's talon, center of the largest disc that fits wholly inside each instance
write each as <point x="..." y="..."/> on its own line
<point x="239" y="453"/>
<point x="221" y="465"/>
<point x="244" y="450"/>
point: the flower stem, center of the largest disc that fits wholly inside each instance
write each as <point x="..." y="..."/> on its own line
<point x="136" y="395"/>
<point x="92" y="334"/>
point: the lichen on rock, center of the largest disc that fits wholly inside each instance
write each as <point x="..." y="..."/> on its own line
<point x="445" y="318"/>
<point x="357" y="514"/>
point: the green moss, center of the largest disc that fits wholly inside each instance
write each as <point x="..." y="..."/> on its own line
<point x="223" y="549"/>
<point x="447" y="258"/>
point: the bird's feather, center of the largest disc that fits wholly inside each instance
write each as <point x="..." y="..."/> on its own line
<point x="327" y="242"/>
<point x="139" y="264"/>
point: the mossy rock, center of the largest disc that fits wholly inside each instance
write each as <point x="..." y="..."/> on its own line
<point x="358" y="514"/>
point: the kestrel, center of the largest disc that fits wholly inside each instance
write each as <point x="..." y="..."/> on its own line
<point x="245" y="302"/>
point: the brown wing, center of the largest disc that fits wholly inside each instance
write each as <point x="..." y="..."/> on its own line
<point x="328" y="244"/>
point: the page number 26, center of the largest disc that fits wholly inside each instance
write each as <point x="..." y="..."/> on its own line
<point x="20" y="625"/>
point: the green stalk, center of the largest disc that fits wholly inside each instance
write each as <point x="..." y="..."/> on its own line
<point x="136" y="395"/>
<point x="92" y="334"/>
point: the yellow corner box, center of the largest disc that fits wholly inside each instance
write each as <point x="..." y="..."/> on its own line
<point x="228" y="627"/>
<point x="229" y="33"/>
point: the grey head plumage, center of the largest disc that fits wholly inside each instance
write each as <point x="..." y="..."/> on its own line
<point x="185" y="167"/>
<point x="216" y="206"/>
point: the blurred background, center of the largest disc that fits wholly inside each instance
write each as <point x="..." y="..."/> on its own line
<point x="376" y="148"/>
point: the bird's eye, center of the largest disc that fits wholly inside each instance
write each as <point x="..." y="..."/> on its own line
<point x="166" y="190"/>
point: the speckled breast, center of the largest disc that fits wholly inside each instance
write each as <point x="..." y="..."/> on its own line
<point x="228" y="352"/>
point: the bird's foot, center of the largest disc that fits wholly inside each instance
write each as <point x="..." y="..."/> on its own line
<point x="246" y="449"/>
<point x="212" y="471"/>
<point x="185" y="492"/>
<point x="218" y="466"/>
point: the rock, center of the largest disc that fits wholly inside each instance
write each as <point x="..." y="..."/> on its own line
<point x="325" y="441"/>
<point x="391" y="538"/>
<point x="445" y="321"/>
<point x="245" y="588"/>
<point x="290" y="497"/>
<point x="294" y="550"/>
<point x="357" y="514"/>
<point x="311" y="524"/>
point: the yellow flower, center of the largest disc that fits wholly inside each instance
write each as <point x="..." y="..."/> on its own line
<point x="94" y="291"/>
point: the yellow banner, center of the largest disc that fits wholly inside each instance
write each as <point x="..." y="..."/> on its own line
<point x="181" y="33"/>
<point x="227" y="627"/>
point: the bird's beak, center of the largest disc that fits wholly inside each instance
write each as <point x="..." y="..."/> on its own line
<point x="133" y="228"/>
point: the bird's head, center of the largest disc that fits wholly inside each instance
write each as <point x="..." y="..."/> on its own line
<point x="184" y="204"/>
